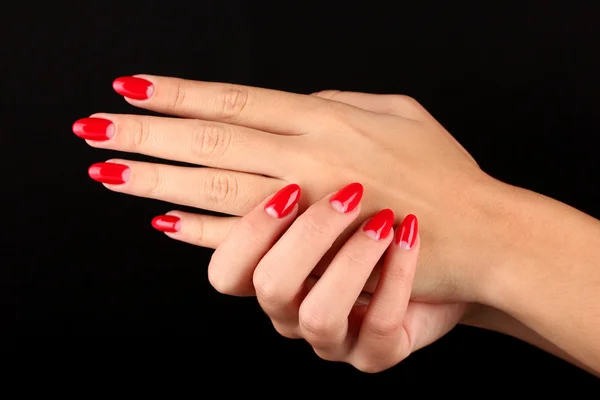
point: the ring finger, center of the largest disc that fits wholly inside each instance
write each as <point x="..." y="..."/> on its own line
<point x="325" y="310"/>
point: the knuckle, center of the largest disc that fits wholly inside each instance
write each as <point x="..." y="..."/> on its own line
<point x="318" y="327"/>
<point x="335" y="113"/>
<point x="224" y="279"/>
<point x="157" y="182"/>
<point x="286" y="331"/>
<point x="231" y="102"/>
<point x="141" y="133"/>
<point x="369" y="366"/>
<point x="378" y="361"/>
<point x="199" y="237"/>
<point x="178" y="97"/>
<point x="406" y="104"/>
<point x="221" y="187"/>
<point x="266" y="291"/>
<point x="314" y="227"/>
<point x="218" y="281"/>
<point x="327" y="94"/>
<point x="404" y="100"/>
<point x="382" y="327"/>
<point x="327" y="355"/>
<point x="357" y="258"/>
<point x="210" y="140"/>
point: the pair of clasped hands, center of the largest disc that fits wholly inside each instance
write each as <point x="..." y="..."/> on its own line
<point x="330" y="199"/>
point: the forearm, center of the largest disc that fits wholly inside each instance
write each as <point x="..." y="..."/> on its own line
<point x="549" y="277"/>
<point x="494" y="320"/>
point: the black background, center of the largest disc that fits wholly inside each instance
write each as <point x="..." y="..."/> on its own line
<point x="84" y="275"/>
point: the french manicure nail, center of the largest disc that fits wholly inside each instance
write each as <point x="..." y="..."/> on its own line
<point x="134" y="88"/>
<point x="98" y="129"/>
<point x="347" y="198"/>
<point x="111" y="173"/>
<point x="167" y="223"/>
<point x="407" y="232"/>
<point x="283" y="202"/>
<point x="380" y="225"/>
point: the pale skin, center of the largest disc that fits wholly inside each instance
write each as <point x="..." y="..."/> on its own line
<point x="525" y="265"/>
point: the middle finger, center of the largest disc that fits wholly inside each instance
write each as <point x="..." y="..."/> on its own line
<point x="193" y="141"/>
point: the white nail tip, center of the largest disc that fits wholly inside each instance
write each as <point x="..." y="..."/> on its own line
<point x="271" y="211"/>
<point x="126" y="174"/>
<point x="178" y="226"/>
<point x="338" y="206"/>
<point x="110" y="131"/>
<point x="404" y="245"/>
<point x="372" y="234"/>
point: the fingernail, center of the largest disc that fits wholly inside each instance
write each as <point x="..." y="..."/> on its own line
<point x="167" y="223"/>
<point x="407" y="232"/>
<point x="347" y="199"/>
<point x="111" y="173"/>
<point x="284" y="201"/>
<point x="99" y="129"/>
<point x="134" y="88"/>
<point x="380" y="225"/>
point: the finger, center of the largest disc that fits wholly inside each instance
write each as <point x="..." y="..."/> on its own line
<point x="233" y="262"/>
<point x="229" y="192"/>
<point x="280" y="276"/>
<point x="325" y="310"/>
<point x="292" y="331"/>
<point x="200" y="230"/>
<point x="264" y="109"/>
<point x="383" y="340"/>
<point x="193" y="141"/>
<point x="392" y="104"/>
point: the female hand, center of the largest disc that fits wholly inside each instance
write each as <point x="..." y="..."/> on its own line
<point x="254" y="141"/>
<point x="274" y="253"/>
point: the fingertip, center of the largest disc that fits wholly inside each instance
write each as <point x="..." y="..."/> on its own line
<point x="284" y="202"/>
<point x="407" y="233"/>
<point x="167" y="223"/>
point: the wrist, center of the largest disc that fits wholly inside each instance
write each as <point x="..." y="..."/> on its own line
<point x="497" y="236"/>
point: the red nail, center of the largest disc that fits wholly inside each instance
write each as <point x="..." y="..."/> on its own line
<point x="114" y="174"/>
<point x="380" y="225"/>
<point x="134" y="88"/>
<point x="167" y="223"/>
<point x="94" y="129"/>
<point x="347" y="199"/>
<point x="284" y="201"/>
<point x="407" y="232"/>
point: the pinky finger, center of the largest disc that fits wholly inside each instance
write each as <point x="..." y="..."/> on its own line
<point x="200" y="230"/>
<point x="383" y="340"/>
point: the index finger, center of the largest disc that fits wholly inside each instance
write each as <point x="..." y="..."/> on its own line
<point x="264" y="109"/>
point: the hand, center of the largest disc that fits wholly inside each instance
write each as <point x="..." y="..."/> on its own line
<point x="254" y="141"/>
<point x="273" y="252"/>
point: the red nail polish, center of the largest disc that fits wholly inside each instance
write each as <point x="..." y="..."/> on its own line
<point x="99" y="129"/>
<point x="284" y="201"/>
<point x="380" y="225"/>
<point x="134" y="88"/>
<point x="347" y="199"/>
<point x="114" y="174"/>
<point x="167" y="223"/>
<point x="407" y="232"/>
